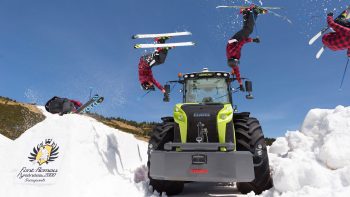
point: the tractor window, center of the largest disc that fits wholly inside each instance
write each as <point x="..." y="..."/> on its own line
<point x="207" y="90"/>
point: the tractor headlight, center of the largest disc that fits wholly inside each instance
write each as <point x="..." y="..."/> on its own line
<point x="223" y="116"/>
<point x="181" y="117"/>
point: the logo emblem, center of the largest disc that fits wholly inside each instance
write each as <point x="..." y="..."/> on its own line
<point x="198" y="115"/>
<point x="45" y="152"/>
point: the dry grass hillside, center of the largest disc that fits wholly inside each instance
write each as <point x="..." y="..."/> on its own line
<point x="16" y="118"/>
<point x="140" y="130"/>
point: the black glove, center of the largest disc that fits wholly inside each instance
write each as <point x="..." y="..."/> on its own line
<point x="257" y="40"/>
<point x="330" y="14"/>
<point x="241" y="87"/>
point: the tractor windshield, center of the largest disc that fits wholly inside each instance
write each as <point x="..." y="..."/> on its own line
<point x="207" y="90"/>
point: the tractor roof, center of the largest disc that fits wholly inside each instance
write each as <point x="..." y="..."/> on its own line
<point x="207" y="74"/>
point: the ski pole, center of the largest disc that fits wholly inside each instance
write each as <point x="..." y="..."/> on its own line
<point x="342" y="81"/>
<point x="141" y="97"/>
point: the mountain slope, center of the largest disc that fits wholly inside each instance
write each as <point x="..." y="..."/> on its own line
<point x="16" y="118"/>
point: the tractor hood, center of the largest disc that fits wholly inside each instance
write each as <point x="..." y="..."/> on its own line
<point x="193" y="118"/>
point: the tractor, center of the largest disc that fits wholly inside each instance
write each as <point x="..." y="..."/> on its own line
<point x="207" y="140"/>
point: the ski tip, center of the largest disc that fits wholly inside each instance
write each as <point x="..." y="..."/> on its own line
<point x="136" y="46"/>
<point x="133" y="37"/>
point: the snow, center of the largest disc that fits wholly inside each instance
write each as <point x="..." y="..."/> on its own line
<point x="96" y="160"/>
<point x="314" y="161"/>
<point x="4" y="142"/>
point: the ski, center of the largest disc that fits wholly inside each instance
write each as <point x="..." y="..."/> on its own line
<point x="267" y="10"/>
<point x="324" y="30"/>
<point x="185" y="33"/>
<point x="92" y="105"/>
<point x="178" y="44"/>
<point x="344" y="73"/>
<point x="317" y="36"/>
<point x="94" y="101"/>
<point x="319" y="53"/>
<point x="245" y="7"/>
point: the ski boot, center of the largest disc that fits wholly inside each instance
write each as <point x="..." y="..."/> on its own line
<point x="260" y="10"/>
<point x="343" y="19"/>
<point x="161" y="40"/>
<point x="253" y="8"/>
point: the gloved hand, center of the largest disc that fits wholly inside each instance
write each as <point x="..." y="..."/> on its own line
<point x="257" y="40"/>
<point x="241" y="87"/>
<point x="330" y="14"/>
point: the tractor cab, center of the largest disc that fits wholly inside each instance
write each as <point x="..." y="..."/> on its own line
<point x="208" y="87"/>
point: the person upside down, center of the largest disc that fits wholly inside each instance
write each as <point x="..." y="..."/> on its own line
<point x="147" y="62"/>
<point x="236" y="43"/>
<point x="340" y="38"/>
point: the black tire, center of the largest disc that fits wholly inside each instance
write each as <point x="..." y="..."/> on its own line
<point x="162" y="134"/>
<point x="249" y="137"/>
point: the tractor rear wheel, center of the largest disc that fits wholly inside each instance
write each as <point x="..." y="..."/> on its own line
<point x="162" y="134"/>
<point x="249" y="137"/>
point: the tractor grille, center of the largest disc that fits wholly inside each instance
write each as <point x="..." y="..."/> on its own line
<point x="206" y="114"/>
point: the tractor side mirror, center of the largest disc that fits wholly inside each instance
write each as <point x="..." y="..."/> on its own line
<point x="249" y="86"/>
<point x="167" y="92"/>
<point x="249" y="89"/>
<point x="166" y="98"/>
<point x="167" y="88"/>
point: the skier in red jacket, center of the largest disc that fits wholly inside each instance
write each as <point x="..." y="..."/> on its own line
<point x="146" y="63"/>
<point x="235" y="44"/>
<point x="340" y="39"/>
<point x="57" y="105"/>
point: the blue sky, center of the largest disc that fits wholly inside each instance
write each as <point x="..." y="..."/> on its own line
<point x="62" y="48"/>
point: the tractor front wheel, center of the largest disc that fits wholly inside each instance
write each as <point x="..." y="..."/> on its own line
<point x="249" y="137"/>
<point x="162" y="134"/>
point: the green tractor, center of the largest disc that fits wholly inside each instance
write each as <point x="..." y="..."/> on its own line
<point x="207" y="141"/>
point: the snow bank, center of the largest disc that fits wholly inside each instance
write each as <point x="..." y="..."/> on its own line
<point x="4" y="143"/>
<point x="314" y="161"/>
<point x="96" y="160"/>
<point x="4" y="140"/>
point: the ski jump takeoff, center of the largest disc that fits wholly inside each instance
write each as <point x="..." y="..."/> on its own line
<point x="340" y="39"/>
<point x="146" y="64"/>
<point x="235" y="44"/>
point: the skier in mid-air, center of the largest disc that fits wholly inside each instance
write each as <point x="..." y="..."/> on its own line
<point x="57" y="105"/>
<point x="146" y="64"/>
<point x="340" y="38"/>
<point x="235" y="44"/>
